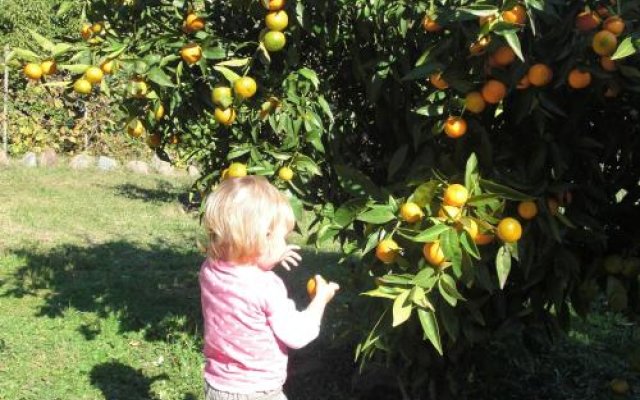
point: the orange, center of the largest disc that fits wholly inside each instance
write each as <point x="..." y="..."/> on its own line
<point x="193" y="23"/>
<point x="470" y="226"/>
<point x="236" y="170"/>
<point x="509" y="230"/>
<point x="449" y="213"/>
<point x="135" y="128"/>
<point x="96" y="28"/>
<point x="311" y="287"/>
<point x="158" y="114"/>
<point x="274" y="41"/>
<point x="191" y="53"/>
<point x="107" y="67"/>
<point x="154" y="140"/>
<point x="504" y="56"/>
<point x="411" y="212"/>
<point x="517" y="15"/>
<point x="94" y="75"/>
<point x="620" y="387"/>
<point x="474" y="102"/>
<point x="174" y="139"/>
<point x="437" y="81"/>
<point x="48" y="67"/>
<point x="221" y="96"/>
<point x="430" y="25"/>
<point x="553" y="206"/>
<point x="455" y="127"/>
<point x="486" y="19"/>
<point x="540" y="75"/>
<point x="524" y="83"/>
<point x="432" y="252"/>
<point x="579" y="79"/>
<point x="608" y="64"/>
<point x="85" y="31"/>
<point x="387" y="251"/>
<point x="33" y="71"/>
<point x="494" y="91"/>
<point x="483" y="239"/>
<point x="224" y="116"/>
<point x="82" y="86"/>
<point x="614" y="25"/>
<point x="527" y="210"/>
<point x="273" y="5"/>
<point x="478" y="47"/>
<point x="245" y="87"/>
<point x="456" y="195"/>
<point x="277" y="20"/>
<point x="285" y="173"/>
<point x="587" y="20"/>
<point x="604" y="43"/>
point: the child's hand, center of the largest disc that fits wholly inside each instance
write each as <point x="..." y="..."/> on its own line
<point x="290" y="257"/>
<point x="325" y="290"/>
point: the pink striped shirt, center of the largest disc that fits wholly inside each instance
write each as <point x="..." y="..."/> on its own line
<point x="249" y="322"/>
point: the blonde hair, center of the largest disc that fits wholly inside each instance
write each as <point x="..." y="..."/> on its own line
<point x="240" y="214"/>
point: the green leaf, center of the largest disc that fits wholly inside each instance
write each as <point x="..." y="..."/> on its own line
<point x="430" y="327"/>
<point x="378" y="215"/>
<point x="305" y="163"/>
<point x="625" y="49"/>
<point x="504" y="191"/>
<point x="64" y="8"/>
<point x="471" y="174"/>
<point x="419" y="298"/>
<point x="513" y="41"/>
<point x="430" y="234"/>
<point x="450" y="245"/>
<point x="24" y="54"/>
<point x="424" y="193"/>
<point x="423" y="71"/>
<point x="158" y="76"/>
<point x="227" y="73"/>
<point x="503" y="265"/>
<point x="214" y="53"/>
<point x="356" y="183"/>
<point x="469" y="245"/>
<point x="42" y="41"/>
<point x="60" y="49"/>
<point x="74" y="69"/>
<point x="426" y="278"/>
<point x="431" y="110"/>
<point x="311" y="76"/>
<point x="479" y="10"/>
<point x="236" y="62"/>
<point x="397" y="160"/>
<point x="402" y="308"/>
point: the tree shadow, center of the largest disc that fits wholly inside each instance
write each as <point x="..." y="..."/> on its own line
<point x="164" y="192"/>
<point x="118" y="381"/>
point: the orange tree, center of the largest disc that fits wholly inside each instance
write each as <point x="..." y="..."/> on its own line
<point x="476" y="160"/>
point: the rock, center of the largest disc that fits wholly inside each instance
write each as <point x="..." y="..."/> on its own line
<point x="4" y="159"/>
<point x="139" y="167"/>
<point x="193" y="171"/>
<point x="48" y="158"/>
<point x="30" y="160"/>
<point x="162" y="167"/>
<point x="81" y="161"/>
<point x="107" y="163"/>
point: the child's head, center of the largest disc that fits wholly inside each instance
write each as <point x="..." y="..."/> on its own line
<point x="244" y="216"/>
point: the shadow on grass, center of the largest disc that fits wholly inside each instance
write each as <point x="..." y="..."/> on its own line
<point x="164" y="192"/>
<point x="119" y="381"/>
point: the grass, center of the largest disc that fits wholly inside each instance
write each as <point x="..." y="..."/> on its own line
<point x="99" y="300"/>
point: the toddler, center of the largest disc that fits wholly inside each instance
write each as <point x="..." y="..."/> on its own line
<point x="249" y="321"/>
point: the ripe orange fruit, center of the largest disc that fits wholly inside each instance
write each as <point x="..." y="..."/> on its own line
<point x="504" y="56"/>
<point x="311" y="287"/>
<point x="48" y="67"/>
<point x="277" y="20"/>
<point x="455" y="127"/>
<point x="222" y="96"/>
<point x="553" y="206"/>
<point x="509" y="230"/>
<point x="82" y="86"/>
<point x="94" y="75"/>
<point x="273" y="5"/>
<point x="486" y="19"/>
<point x="469" y="225"/>
<point x="614" y="25"/>
<point x="274" y="41"/>
<point x="483" y="239"/>
<point x="387" y="251"/>
<point x="437" y="81"/>
<point x="191" y="53"/>
<point x="456" y="195"/>
<point x="432" y="252"/>
<point x="540" y="75"/>
<point x="85" y="31"/>
<point x="587" y="20"/>
<point x="158" y="114"/>
<point x="33" y="71"/>
<point x="517" y="15"/>
<point x="608" y="64"/>
<point x="96" y="28"/>
<point x="449" y="213"/>
<point x="135" y="128"/>
<point x="193" y="23"/>
<point x="579" y="79"/>
<point x="478" y="47"/>
<point x="236" y="170"/>
<point x="224" y="116"/>
<point x="108" y="66"/>
<point x="527" y="209"/>
<point x="285" y="173"/>
<point x="493" y="91"/>
<point x="245" y="87"/>
<point x="154" y="140"/>
<point x="411" y="212"/>
<point x="474" y="102"/>
<point x="430" y="25"/>
<point x="524" y="83"/>
<point x="604" y="43"/>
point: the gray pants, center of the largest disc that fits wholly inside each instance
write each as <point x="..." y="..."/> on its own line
<point x="214" y="394"/>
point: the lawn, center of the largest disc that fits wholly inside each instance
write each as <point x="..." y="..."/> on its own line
<point x="99" y="300"/>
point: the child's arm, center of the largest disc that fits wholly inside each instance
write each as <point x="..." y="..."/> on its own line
<point x="297" y="328"/>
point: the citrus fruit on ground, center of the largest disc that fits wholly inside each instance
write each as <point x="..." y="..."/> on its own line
<point x="277" y="20"/>
<point x="620" y="387"/>
<point x="450" y="212"/>
<point x="154" y="140"/>
<point x="483" y="239"/>
<point x="94" y="75"/>
<point x="158" y="114"/>
<point x="237" y="170"/>
<point x="191" y="53"/>
<point x="48" y="67"/>
<point x="274" y="41"/>
<point x="193" y="23"/>
<point x="273" y="5"/>
<point x="245" y="87"/>
<point x="285" y="173"/>
<point x="411" y="212"/>
<point x="604" y="43"/>
<point x="82" y="86"/>
<point x="311" y="287"/>
<point x="579" y="79"/>
<point x="222" y="96"/>
<point x="509" y="230"/>
<point x="135" y="128"/>
<point x="107" y="67"/>
<point x="432" y="252"/>
<point x="540" y="75"/>
<point x="527" y="209"/>
<point x="494" y="91"/>
<point x="437" y="81"/>
<point x="614" y="25"/>
<point x="455" y="127"/>
<point x="523" y="83"/>
<point x="455" y="195"/>
<point x="224" y="116"/>
<point x="504" y="56"/>
<point x="474" y="102"/>
<point x="430" y="25"/>
<point x="85" y="31"/>
<point x="587" y="20"/>
<point x="33" y="71"/>
<point x="387" y="251"/>
<point x="516" y="15"/>
<point x="613" y="264"/>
